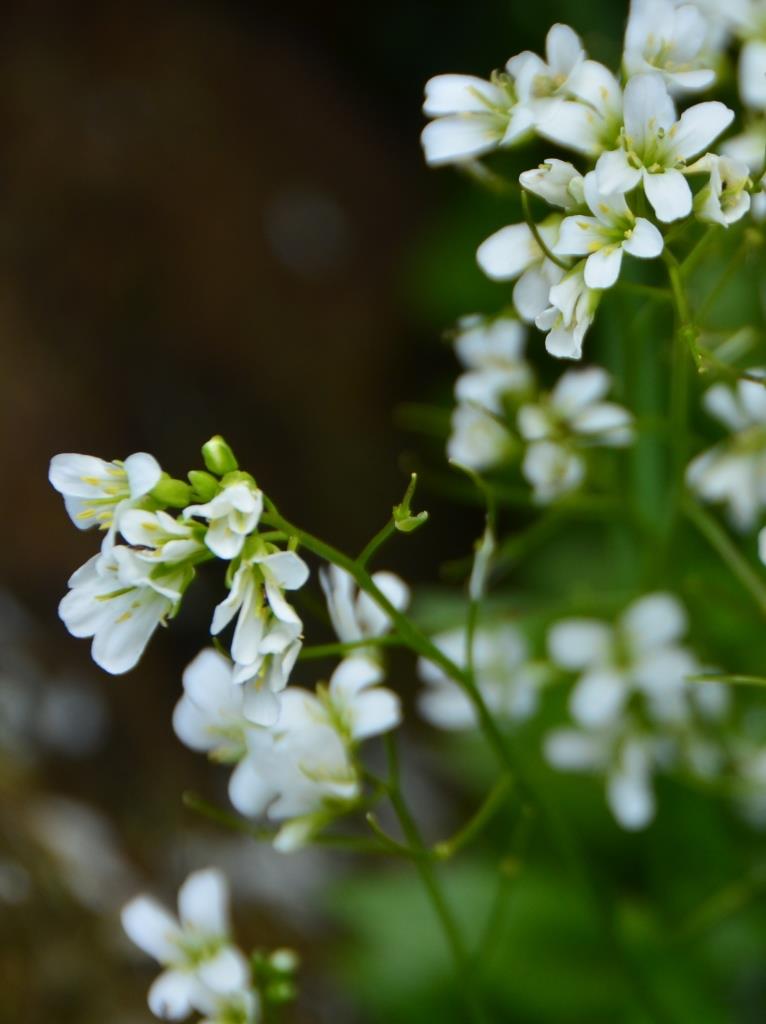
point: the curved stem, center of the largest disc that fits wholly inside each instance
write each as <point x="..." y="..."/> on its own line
<point x="536" y="233"/>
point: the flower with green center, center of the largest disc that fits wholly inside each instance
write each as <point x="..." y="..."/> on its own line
<point x="233" y="515"/>
<point x="603" y="238"/>
<point x="726" y="197"/>
<point x="662" y="36"/>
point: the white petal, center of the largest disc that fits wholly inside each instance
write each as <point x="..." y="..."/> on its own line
<point x="699" y="126"/>
<point x="172" y="994"/>
<point x="144" y="473"/>
<point x="208" y="682"/>
<point x="122" y="639"/>
<point x="373" y="620"/>
<point x="648" y="108"/>
<point x="598" y="697"/>
<point x="249" y="791"/>
<point x="669" y="194"/>
<point x="461" y="94"/>
<point x="531" y="293"/>
<point x="453" y="139"/>
<point x="571" y="750"/>
<point x="260" y="705"/>
<point x="579" y="236"/>
<point x="152" y="928"/>
<point x="615" y="173"/>
<point x="646" y="240"/>
<point x="354" y="673"/>
<point x="192" y="726"/>
<point x="578" y="643"/>
<point x="80" y="476"/>
<point x="572" y="125"/>
<point x="507" y="253"/>
<point x="606" y="423"/>
<point x="288" y="570"/>
<point x="629" y="791"/>
<point x="752" y="74"/>
<point x="654" y="621"/>
<point x="222" y="540"/>
<point x="227" y="971"/>
<point x="575" y="390"/>
<point x="564" y="343"/>
<point x="203" y="902"/>
<point x="376" y="711"/>
<point x="602" y="268"/>
<point x="563" y="49"/>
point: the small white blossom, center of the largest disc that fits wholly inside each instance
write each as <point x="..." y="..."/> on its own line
<point x="540" y="82"/>
<point x="513" y="252"/>
<point x="725" y="199"/>
<point x="655" y="147"/>
<point x="210" y="716"/>
<point x="558" y="182"/>
<point x="589" y="122"/>
<point x="478" y="439"/>
<point x="158" y="537"/>
<point x="195" y="949"/>
<point x="567" y="319"/>
<point x="493" y="354"/>
<point x="552" y="469"/>
<point x="508" y="681"/>
<point x="472" y="116"/>
<point x="612" y="230"/>
<point x="641" y="653"/>
<point x="733" y="472"/>
<point x="233" y="515"/>
<point x="119" y="599"/>
<point x="302" y="771"/>
<point x="355" y="616"/>
<point x="671" y="39"/>
<point x="98" y="493"/>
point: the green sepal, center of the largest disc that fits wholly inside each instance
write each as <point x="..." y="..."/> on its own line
<point x="205" y="486"/>
<point x="172" y="493"/>
<point x="218" y="456"/>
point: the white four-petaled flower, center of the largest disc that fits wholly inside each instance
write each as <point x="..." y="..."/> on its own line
<point x="233" y="515"/>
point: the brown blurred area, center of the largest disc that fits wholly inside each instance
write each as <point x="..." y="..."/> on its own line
<point x="201" y="230"/>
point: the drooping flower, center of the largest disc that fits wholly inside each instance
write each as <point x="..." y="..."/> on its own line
<point x="355" y="616"/>
<point x="733" y="472"/>
<point x="233" y="515"/>
<point x="119" y="599"/>
<point x="98" y="493"/>
<point x="195" y="949"/>
<point x="671" y="39"/>
<point x="655" y="147"/>
<point x="726" y="198"/>
<point x="472" y="117"/>
<point x="612" y="230"/>
<point x="567" y="319"/>
<point x="302" y="771"/>
<point x="508" y="680"/>
<point x="513" y="254"/>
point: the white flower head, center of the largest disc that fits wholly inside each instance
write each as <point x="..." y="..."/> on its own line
<point x="267" y="636"/>
<point x="233" y="515"/>
<point x="210" y="717"/>
<point x="567" y="319"/>
<point x="540" y="82"/>
<point x="603" y="238"/>
<point x="508" y="680"/>
<point x="589" y="121"/>
<point x="558" y="182"/>
<point x="472" y="117"/>
<point x="355" y="616"/>
<point x="98" y="493"/>
<point x="671" y="39"/>
<point x="552" y="469"/>
<point x="119" y="599"/>
<point x="733" y="472"/>
<point x="492" y="351"/>
<point x="478" y="439"/>
<point x="726" y="197"/>
<point x="513" y="254"/>
<point x="655" y="147"/>
<point x="195" y="948"/>
<point x="641" y="654"/>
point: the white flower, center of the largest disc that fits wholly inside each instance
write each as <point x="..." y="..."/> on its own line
<point x="589" y="122"/>
<point x="558" y="182"/>
<point x="267" y="636"/>
<point x="655" y="147"/>
<point x="603" y="238"/>
<point x="158" y="537"/>
<point x="725" y="199"/>
<point x="575" y="407"/>
<point x="508" y="681"/>
<point x="97" y="493"/>
<point x="233" y="515"/>
<point x="242" y="1007"/>
<point x="119" y="599"/>
<point x="640" y="654"/>
<point x="478" y="439"/>
<point x="472" y="117"/>
<point x="569" y="316"/>
<point x="513" y="252"/>
<point x="539" y="82"/>
<point x="355" y="616"/>
<point x="492" y="351"/>
<point x="670" y="39"/>
<point x="301" y="771"/>
<point x="734" y="471"/>
<point x="195" y="948"/>
<point x="210" y="716"/>
<point x="552" y="469"/>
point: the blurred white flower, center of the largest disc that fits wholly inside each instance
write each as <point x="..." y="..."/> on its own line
<point x="507" y="680"/>
<point x="195" y="948"/>
<point x="725" y="199"/>
<point x="98" y="493"/>
<point x="733" y="472"/>
<point x="243" y="1007"/>
<point x="493" y="354"/>
<point x="119" y="599"/>
<point x="669" y="38"/>
<point x="655" y="147"/>
<point x="478" y="439"/>
<point x="210" y="717"/>
<point x="612" y="230"/>
<point x="355" y="616"/>
<point x="233" y="515"/>
<point x="640" y="654"/>
<point x="472" y="117"/>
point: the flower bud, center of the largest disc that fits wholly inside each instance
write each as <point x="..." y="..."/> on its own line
<point x="205" y="486"/>
<point x="172" y="493"/>
<point x="218" y="456"/>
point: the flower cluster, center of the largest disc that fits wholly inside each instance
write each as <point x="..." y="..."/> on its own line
<point x="204" y="971"/>
<point x="638" y="155"/>
<point x="501" y="413"/>
<point x="293" y="751"/>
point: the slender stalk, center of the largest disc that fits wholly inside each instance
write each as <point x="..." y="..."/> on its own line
<point x="377" y="541"/>
<point x="489" y="806"/>
<point x="536" y="233"/>
<point x="316" y="651"/>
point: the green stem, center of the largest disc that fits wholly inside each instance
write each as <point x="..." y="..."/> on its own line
<point x="729" y="553"/>
<point x="377" y="541"/>
<point x="728" y="678"/>
<point x="316" y="651"/>
<point x="536" y="233"/>
<point x="486" y="811"/>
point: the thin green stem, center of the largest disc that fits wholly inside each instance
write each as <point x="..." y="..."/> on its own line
<point x="488" y="808"/>
<point x="315" y="651"/>
<point x="536" y="233"/>
<point x="728" y="678"/>
<point x="729" y="553"/>
<point x="377" y="542"/>
<point x="698" y="251"/>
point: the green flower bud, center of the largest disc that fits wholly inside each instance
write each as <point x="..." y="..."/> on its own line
<point x="218" y="456"/>
<point x="205" y="486"/>
<point x="172" y="493"/>
<point x="404" y="520"/>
